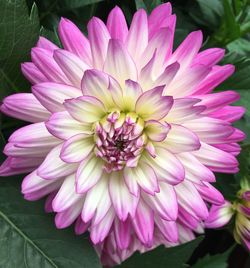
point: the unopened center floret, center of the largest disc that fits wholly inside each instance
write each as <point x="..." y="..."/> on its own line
<point x="119" y="140"/>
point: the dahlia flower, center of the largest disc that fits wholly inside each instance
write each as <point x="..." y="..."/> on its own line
<point x="126" y="133"/>
<point x="220" y="215"/>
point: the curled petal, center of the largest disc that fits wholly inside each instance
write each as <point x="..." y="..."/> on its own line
<point x="152" y="105"/>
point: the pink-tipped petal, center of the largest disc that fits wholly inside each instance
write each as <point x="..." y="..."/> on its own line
<point x="97" y="202"/>
<point x="137" y="38"/>
<point x="159" y="17"/>
<point x="24" y="106"/>
<point x="143" y="223"/>
<point x="53" y="167"/>
<point x="53" y="95"/>
<point x="77" y="148"/>
<point x="85" y="109"/>
<point x="123" y="201"/>
<point x="63" y="126"/>
<point x="181" y="139"/>
<point x="88" y="173"/>
<point x="117" y="24"/>
<point x="152" y="105"/>
<point x="46" y="44"/>
<point x="44" y="61"/>
<point x="71" y="65"/>
<point x="98" y="37"/>
<point x="156" y="131"/>
<point x="32" y="73"/>
<point x="66" y="196"/>
<point x="209" y="57"/>
<point x="216" y="76"/>
<point x="219" y="215"/>
<point x="119" y="63"/>
<point x="74" y="41"/>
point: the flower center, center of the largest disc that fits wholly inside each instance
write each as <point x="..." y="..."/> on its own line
<point x="119" y="140"/>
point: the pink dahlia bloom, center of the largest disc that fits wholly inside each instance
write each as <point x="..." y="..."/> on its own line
<point x="126" y="133"/>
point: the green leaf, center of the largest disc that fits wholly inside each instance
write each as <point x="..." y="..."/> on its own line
<point x="231" y="25"/>
<point x="214" y="261"/>
<point x="240" y="79"/>
<point x="51" y="35"/>
<point x="28" y="237"/>
<point x="162" y="257"/>
<point x="207" y="13"/>
<point x="70" y="4"/>
<point x="240" y="46"/>
<point x="140" y="4"/>
<point x="18" y="33"/>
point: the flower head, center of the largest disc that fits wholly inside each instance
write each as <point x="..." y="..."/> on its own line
<point x="126" y="133"/>
<point x="240" y="209"/>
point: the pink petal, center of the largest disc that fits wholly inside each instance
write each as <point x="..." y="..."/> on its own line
<point x="16" y="165"/>
<point x="210" y="130"/>
<point x="143" y="223"/>
<point x="183" y="110"/>
<point x="45" y="63"/>
<point x="99" y="232"/>
<point x="66" y="196"/>
<point x="159" y="17"/>
<point x="74" y="41"/>
<point x="67" y="217"/>
<point x="30" y="141"/>
<point x="185" y="83"/>
<point x="71" y="65"/>
<point x="46" y="44"/>
<point x="88" y="173"/>
<point x="195" y="171"/>
<point x="189" y="199"/>
<point x="210" y="194"/>
<point x="137" y="38"/>
<point x="166" y="166"/>
<point x="80" y="226"/>
<point x="96" y="83"/>
<point x="123" y="201"/>
<point x="219" y="215"/>
<point x="98" y="37"/>
<point x="209" y="57"/>
<point x="117" y="24"/>
<point x="130" y="94"/>
<point x="168" y="229"/>
<point x="145" y="177"/>
<point x="85" y="109"/>
<point x="152" y="105"/>
<point x="181" y="139"/>
<point x="164" y="202"/>
<point x="32" y="73"/>
<point x="218" y="100"/>
<point x="119" y="63"/>
<point x="217" y="75"/>
<point x="97" y="202"/>
<point x="122" y="230"/>
<point x="63" y="126"/>
<point x="187" y="50"/>
<point x="33" y="183"/>
<point x="161" y="43"/>
<point x="53" y="167"/>
<point x="53" y="95"/>
<point x="216" y="159"/>
<point x="77" y="148"/>
<point x="156" y="131"/>
<point x="229" y="113"/>
<point x="24" y="106"/>
<point x="168" y="75"/>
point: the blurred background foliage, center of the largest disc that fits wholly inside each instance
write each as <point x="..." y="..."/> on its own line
<point x="27" y="236"/>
